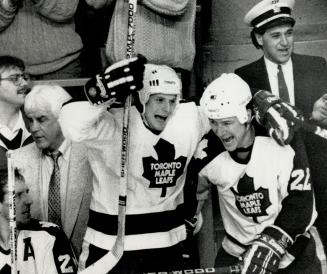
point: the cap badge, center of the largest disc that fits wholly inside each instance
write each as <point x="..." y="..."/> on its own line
<point x="276" y="9"/>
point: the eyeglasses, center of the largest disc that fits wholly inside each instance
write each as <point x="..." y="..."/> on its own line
<point x="16" y="78"/>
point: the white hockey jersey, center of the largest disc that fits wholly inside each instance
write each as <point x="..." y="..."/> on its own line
<point x="271" y="188"/>
<point x="156" y="172"/>
<point x="42" y="248"/>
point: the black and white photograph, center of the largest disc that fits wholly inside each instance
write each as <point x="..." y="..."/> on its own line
<point x="163" y="136"/>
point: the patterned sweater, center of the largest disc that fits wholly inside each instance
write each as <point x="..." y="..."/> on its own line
<point x="40" y="32"/>
<point x="164" y="32"/>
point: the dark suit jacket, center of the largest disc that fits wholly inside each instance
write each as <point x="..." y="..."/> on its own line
<point x="79" y="189"/>
<point x="310" y="79"/>
<point x="310" y="82"/>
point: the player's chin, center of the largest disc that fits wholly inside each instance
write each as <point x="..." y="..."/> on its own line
<point x="230" y="148"/>
<point x="229" y="143"/>
<point x="159" y="124"/>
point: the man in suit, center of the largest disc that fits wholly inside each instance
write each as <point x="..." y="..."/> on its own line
<point x="14" y="85"/>
<point x="299" y="79"/>
<point x="60" y="187"/>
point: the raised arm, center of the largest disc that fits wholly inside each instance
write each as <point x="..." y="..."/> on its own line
<point x="84" y="120"/>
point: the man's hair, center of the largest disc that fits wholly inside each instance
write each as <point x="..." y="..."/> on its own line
<point x="10" y="62"/>
<point x="4" y="182"/>
<point x="261" y="30"/>
<point x="43" y="96"/>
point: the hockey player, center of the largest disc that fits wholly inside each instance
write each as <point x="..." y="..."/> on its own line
<point x="42" y="247"/>
<point x="265" y="194"/>
<point x="163" y="137"/>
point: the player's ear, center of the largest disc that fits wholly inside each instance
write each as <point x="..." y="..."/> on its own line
<point x="249" y="118"/>
<point x="250" y="115"/>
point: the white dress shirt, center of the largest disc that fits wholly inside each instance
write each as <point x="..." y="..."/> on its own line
<point x="288" y="75"/>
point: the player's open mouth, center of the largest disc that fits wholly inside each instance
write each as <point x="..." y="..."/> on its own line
<point x="22" y="91"/>
<point x="228" y="140"/>
<point x="161" y="118"/>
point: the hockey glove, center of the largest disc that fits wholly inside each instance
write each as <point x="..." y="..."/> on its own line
<point x="266" y="251"/>
<point x="116" y="82"/>
<point x="280" y="119"/>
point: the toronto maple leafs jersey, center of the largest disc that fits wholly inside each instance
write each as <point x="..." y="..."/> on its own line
<point x="156" y="172"/>
<point x="42" y="248"/>
<point x="271" y="188"/>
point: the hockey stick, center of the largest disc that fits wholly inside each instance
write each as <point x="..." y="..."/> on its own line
<point x="12" y="213"/>
<point x="235" y="269"/>
<point x="108" y="261"/>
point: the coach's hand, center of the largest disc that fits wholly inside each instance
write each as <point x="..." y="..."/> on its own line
<point x="319" y="112"/>
<point x="116" y="82"/>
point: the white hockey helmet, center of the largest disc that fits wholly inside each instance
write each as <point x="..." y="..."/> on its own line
<point x="159" y="79"/>
<point x="225" y="97"/>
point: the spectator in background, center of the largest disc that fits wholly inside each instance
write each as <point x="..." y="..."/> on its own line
<point x="164" y="33"/>
<point x="42" y="248"/>
<point x="56" y="170"/>
<point x="14" y="85"/>
<point x="302" y="77"/>
<point x="42" y="33"/>
<point x="88" y="19"/>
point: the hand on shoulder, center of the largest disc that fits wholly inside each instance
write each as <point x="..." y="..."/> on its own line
<point x="319" y="112"/>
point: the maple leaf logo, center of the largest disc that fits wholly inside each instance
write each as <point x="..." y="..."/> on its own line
<point x="5" y="269"/>
<point x="165" y="171"/>
<point x="250" y="202"/>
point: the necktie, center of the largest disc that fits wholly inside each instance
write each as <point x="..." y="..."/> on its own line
<point x="283" y="91"/>
<point x="15" y="142"/>
<point x="54" y="204"/>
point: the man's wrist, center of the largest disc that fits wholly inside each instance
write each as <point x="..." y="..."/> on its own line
<point x="280" y="237"/>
